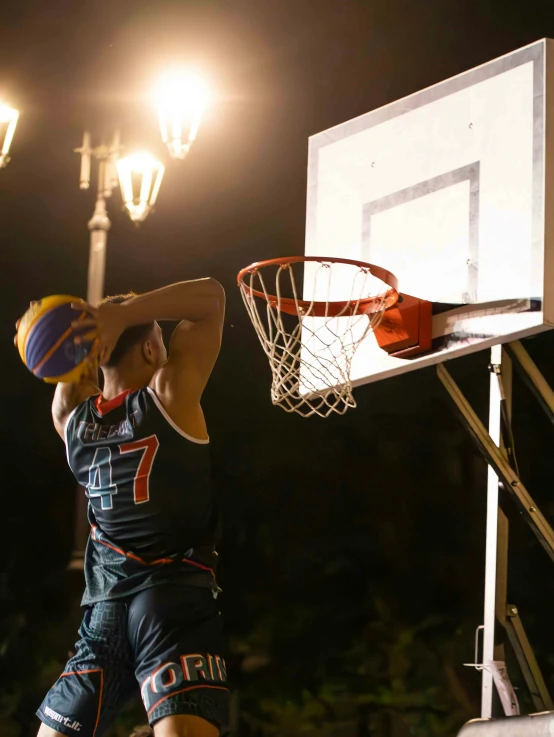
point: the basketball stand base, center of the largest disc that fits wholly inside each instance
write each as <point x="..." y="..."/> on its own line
<point x="532" y="725"/>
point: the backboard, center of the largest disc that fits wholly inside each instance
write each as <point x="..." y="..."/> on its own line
<point x="447" y="189"/>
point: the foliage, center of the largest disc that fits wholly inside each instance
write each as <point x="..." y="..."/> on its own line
<point x="393" y="678"/>
<point x="355" y="617"/>
<point x="350" y="595"/>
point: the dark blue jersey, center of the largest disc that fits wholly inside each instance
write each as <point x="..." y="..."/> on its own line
<point x="151" y="505"/>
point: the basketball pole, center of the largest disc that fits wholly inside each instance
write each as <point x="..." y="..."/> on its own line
<point x="503" y="473"/>
<point x="497" y="533"/>
<point x="491" y="538"/>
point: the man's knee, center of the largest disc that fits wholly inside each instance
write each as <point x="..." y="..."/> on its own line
<point x="184" y="725"/>
<point x="143" y="731"/>
<point x="45" y="731"/>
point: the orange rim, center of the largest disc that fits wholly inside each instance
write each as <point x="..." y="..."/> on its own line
<point x="323" y="309"/>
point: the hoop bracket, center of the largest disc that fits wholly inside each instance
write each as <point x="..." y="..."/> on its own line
<point x="406" y="328"/>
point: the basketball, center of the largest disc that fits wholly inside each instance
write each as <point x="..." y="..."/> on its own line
<point x="45" y="340"/>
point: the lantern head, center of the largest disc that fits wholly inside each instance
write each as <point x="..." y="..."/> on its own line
<point x="181" y="100"/>
<point x="8" y="122"/>
<point x="140" y="177"/>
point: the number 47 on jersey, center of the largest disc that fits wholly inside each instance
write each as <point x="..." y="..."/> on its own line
<point x="109" y="470"/>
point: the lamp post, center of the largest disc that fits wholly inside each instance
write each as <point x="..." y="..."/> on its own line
<point x="109" y="166"/>
<point x="8" y="121"/>
<point x="99" y="224"/>
<point x="113" y="170"/>
<point x="181" y="100"/>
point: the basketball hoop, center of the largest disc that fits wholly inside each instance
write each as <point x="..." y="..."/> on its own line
<point x="310" y="343"/>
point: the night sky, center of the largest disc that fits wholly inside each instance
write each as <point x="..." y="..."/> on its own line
<point x="331" y="526"/>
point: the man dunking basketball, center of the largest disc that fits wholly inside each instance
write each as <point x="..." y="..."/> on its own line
<point x="140" y="447"/>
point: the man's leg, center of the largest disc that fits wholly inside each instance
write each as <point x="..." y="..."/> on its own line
<point x="176" y="636"/>
<point x="97" y="681"/>
<point x="183" y="725"/>
<point x="46" y="731"/>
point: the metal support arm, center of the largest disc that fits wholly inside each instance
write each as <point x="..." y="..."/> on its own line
<point x="532" y="377"/>
<point x="496" y="459"/>
<point x="526" y="659"/>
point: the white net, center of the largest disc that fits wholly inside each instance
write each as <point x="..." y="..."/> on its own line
<point x="310" y="341"/>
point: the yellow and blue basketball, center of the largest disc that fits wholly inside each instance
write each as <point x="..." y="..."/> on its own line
<point x="45" y="340"/>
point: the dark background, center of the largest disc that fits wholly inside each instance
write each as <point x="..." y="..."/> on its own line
<point x="352" y="562"/>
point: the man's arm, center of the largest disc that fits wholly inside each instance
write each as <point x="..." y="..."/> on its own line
<point x="198" y="305"/>
<point x="194" y="346"/>
<point x="193" y="301"/>
<point x="69" y="396"/>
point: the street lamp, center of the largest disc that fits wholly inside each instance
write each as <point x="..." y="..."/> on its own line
<point x="181" y="99"/>
<point x="140" y="178"/>
<point x="8" y="118"/>
<point x="113" y="171"/>
<point x="109" y="166"/>
<point x="99" y="224"/>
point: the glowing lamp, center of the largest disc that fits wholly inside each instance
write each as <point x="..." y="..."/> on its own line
<point x="181" y="100"/>
<point x="140" y="177"/>
<point x="8" y="123"/>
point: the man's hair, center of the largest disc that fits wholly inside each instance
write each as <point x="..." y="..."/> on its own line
<point x="130" y="337"/>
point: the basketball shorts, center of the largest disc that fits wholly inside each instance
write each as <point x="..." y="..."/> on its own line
<point x="165" y="642"/>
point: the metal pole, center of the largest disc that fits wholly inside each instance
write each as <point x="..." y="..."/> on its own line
<point x="99" y="224"/>
<point x="491" y="541"/>
<point x="504" y="378"/>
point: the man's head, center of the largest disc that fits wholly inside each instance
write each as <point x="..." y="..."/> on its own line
<point x="140" y="350"/>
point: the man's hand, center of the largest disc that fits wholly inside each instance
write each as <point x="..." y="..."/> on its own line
<point x="106" y="323"/>
<point x="17" y="324"/>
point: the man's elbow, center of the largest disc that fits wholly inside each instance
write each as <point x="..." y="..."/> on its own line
<point x="201" y="299"/>
<point x="217" y="294"/>
<point x="216" y="287"/>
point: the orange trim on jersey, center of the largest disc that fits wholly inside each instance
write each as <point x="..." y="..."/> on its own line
<point x="49" y="353"/>
<point x="151" y="563"/>
<point x="198" y="565"/>
<point x="158" y="561"/>
<point x="92" y="670"/>
<point x="132" y="555"/>
<point x="105" y="406"/>
<point x="182" y="690"/>
<point x="81" y="672"/>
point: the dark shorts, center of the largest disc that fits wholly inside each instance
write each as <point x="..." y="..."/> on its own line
<point x="166" y="641"/>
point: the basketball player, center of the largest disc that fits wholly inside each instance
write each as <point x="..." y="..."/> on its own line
<point x="140" y="447"/>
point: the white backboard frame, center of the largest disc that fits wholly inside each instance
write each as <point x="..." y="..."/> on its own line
<point x="477" y="147"/>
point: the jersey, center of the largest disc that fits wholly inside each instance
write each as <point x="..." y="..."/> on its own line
<point x="150" y="499"/>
